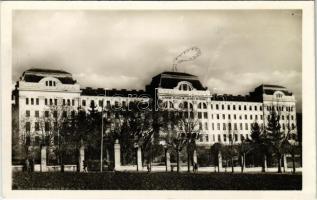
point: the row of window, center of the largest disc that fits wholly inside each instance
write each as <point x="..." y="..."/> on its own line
<point x="234" y="116"/>
<point x="280" y="108"/>
<point x="35" y="101"/>
<point x="47" y="113"/>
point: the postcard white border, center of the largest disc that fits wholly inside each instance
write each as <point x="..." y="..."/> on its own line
<point x="308" y="91"/>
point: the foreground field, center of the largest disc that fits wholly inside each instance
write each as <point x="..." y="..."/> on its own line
<point x="155" y="181"/>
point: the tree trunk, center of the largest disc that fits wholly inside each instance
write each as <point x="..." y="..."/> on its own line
<point x="232" y="165"/>
<point x="293" y="162"/>
<point x="264" y="163"/>
<point x="188" y="160"/>
<point x="279" y="169"/>
<point x="242" y="163"/>
<point x="177" y="159"/>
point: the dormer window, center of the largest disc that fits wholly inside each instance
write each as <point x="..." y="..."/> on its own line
<point x="185" y="87"/>
<point x="50" y="83"/>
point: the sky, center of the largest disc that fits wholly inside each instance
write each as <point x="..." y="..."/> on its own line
<point x="240" y="49"/>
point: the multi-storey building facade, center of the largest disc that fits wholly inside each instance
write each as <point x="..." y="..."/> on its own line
<point x="222" y="118"/>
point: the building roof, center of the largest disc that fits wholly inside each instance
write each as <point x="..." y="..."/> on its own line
<point x="36" y="74"/>
<point x="88" y="91"/>
<point x="169" y="80"/>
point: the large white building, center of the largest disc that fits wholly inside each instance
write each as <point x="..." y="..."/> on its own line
<point x="221" y="117"/>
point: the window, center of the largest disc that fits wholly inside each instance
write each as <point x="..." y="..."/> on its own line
<point x="83" y="102"/>
<point x="27" y="101"/>
<point x="222" y="107"/>
<point x="199" y="105"/>
<point x="205" y="115"/>
<point x="229" y="126"/>
<point x="261" y="117"/>
<point x="46" y="113"/>
<point x="54" y="83"/>
<point x="27" y="126"/>
<point x="218" y="126"/>
<point x="228" y="107"/>
<point x="37" y="141"/>
<point x="234" y="107"/>
<point x="199" y="115"/>
<point x="251" y="117"/>
<point x="246" y="126"/>
<point x="229" y="116"/>
<point x="230" y="137"/>
<point x="211" y="106"/>
<point x="55" y="114"/>
<point x="212" y="126"/>
<point x="51" y="101"/>
<point x="235" y="137"/>
<point x="191" y="115"/>
<point x="241" y="126"/>
<point x="64" y="102"/>
<point x="206" y="126"/>
<point x="224" y="137"/>
<point x="200" y="126"/>
<point x="217" y="107"/>
<point x="261" y="108"/>
<point x="217" y="116"/>
<point x="255" y="108"/>
<point x="234" y="116"/>
<point x="223" y="116"/>
<point x="55" y="102"/>
<point x="185" y="87"/>
<point x="37" y="113"/>
<point x="27" y="113"/>
<point x="219" y="138"/>
<point x="50" y="83"/>
<point x="37" y="101"/>
<point x="235" y="126"/>
<point x="73" y="102"/>
<point x="32" y="101"/>
<point x="46" y="83"/>
<point x="207" y="138"/>
<point x="204" y="106"/>
<point x="68" y="102"/>
<point x="37" y="126"/>
<point x="239" y="107"/>
<point x="292" y="117"/>
<point x="47" y="126"/>
<point x="256" y="117"/>
<point x="224" y="126"/>
<point x="250" y="107"/>
<point x="245" y="107"/>
<point x="245" y="116"/>
<point x="100" y="103"/>
<point x="46" y="102"/>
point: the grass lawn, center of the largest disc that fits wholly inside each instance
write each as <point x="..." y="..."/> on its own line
<point x="155" y="181"/>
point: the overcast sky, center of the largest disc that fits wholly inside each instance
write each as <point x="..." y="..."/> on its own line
<point x="124" y="49"/>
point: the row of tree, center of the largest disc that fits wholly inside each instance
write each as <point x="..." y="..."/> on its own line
<point x="135" y="125"/>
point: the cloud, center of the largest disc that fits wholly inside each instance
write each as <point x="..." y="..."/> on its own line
<point x="124" y="49"/>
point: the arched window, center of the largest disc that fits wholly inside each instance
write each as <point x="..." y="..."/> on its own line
<point x="185" y="87"/>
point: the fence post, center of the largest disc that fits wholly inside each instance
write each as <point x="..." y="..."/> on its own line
<point x="81" y="158"/>
<point x="43" y="159"/>
<point x="139" y="159"/>
<point x="168" y="161"/>
<point x="219" y="162"/>
<point x="285" y="162"/>
<point x="117" y="156"/>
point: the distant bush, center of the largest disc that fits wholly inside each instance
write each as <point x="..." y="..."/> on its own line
<point x="155" y="181"/>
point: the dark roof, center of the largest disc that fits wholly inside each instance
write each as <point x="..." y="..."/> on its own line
<point x="113" y="92"/>
<point x="47" y="71"/>
<point x="169" y="80"/>
<point x="36" y="74"/>
<point x="274" y="86"/>
<point x="229" y="97"/>
<point x="258" y="92"/>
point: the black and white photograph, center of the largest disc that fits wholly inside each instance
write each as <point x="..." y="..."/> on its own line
<point x="141" y="99"/>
